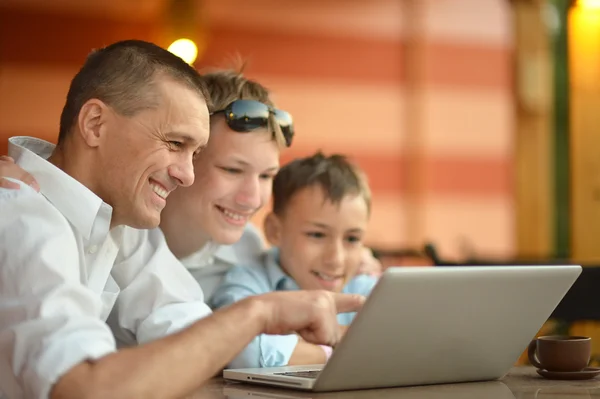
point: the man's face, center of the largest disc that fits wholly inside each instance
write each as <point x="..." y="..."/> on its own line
<point x="234" y="180"/>
<point x="145" y="157"/>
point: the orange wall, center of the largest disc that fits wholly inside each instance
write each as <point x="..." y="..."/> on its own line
<point x="346" y="70"/>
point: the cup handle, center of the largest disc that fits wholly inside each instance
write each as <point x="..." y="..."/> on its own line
<point x="531" y="354"/>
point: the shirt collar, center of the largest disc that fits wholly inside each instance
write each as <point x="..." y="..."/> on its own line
<point x="74" y="200"/>
<point x="227" y="254"/>
<point x="210" y="251"/>
<point x="279" y="279"/>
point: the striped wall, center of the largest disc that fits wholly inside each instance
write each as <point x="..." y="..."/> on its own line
<point x="344" y="69"/>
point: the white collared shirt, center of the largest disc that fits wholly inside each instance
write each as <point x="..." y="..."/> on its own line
<point x="210" y="264"/>
<point x="62" y="271"/>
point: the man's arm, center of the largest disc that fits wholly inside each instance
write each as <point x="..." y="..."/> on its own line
<point x="49" y="321"/>
<point x="53" y="340"/>
<point x="9" y="169"/>
<point x="177" y="365"/>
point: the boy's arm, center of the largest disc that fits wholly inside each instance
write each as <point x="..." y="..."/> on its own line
<point x="8" y="169"/>
<point x="265" y="350"/>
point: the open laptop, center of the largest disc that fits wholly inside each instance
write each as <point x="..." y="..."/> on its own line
<point x="430" y="325"/>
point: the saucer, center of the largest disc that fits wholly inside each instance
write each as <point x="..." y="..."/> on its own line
<point x="585" y="374"/>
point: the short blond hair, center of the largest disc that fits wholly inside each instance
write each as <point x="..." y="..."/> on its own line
<point x="227" y="85"/>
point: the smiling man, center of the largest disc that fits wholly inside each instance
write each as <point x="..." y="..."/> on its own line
<point x="135" y="117"/>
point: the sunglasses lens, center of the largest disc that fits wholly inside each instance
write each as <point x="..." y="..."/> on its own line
<point x="284" y="119"/>
<point x="246" y="115"/>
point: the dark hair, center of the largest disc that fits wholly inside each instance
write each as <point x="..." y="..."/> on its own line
<point x="337" y="176"/>
<point x="122" y="75"/>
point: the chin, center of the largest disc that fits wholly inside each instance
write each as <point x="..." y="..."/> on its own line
<point x="228" y="237"/>
<point x="147" y="221"/>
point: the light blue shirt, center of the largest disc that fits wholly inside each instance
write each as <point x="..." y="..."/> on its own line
<point x="263" y="274"/>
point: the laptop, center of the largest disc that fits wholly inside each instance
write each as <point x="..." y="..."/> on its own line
<point x="433" y="325"/>
<point x="487" y="390"/>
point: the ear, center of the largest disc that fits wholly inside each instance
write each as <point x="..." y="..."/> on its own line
<point x="272" y="226"/>
<point x="91" y="120"/>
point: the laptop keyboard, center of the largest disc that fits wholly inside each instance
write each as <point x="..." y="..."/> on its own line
<point x="301" y="374"/>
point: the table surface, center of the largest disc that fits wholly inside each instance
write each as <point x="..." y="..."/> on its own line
<point x="519" y="383"/>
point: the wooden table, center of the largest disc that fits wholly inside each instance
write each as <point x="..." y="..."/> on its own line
<point x="520" y="383"/>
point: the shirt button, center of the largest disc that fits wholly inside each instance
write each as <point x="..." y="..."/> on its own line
<point x="93" y="249"/>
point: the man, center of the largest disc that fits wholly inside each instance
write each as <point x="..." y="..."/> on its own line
<point x="134" y="118"/>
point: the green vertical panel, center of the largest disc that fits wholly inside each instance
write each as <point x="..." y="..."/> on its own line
<point x="558" y="11"/>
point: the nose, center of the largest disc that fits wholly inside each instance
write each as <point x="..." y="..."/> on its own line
<point x="183" y="172"/>
<point x="249" y="195"/>
<point x="335" y="254"/>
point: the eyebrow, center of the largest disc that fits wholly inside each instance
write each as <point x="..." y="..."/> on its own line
<point x="244" y="163"/>
<point x="324" y="226"/>
<point x="321" y="225"/>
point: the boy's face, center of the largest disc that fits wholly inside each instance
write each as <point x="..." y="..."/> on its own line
<point x="320" y="242"/>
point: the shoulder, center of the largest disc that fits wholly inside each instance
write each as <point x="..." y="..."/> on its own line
<point x="253" y="268"/>
<point x="140" y="248"/>
<point x="239" y="282"/>
<point x="27" y="211"/>
<point x="251" y="275"/>
<point x="35" y="238"/>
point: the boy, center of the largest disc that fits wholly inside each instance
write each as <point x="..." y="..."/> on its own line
<point x="321" y="208"/>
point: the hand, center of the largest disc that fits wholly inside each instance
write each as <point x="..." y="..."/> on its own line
<point x="8" y="168"/>
<point x="369" y="264"/>
<point x="311" y="314"/>
<point x="342" y="329"/>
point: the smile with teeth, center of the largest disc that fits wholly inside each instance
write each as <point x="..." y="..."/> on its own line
<point x="232" y="215"/>
<point x="326" y="277"/>
<point x="159" y="190"/>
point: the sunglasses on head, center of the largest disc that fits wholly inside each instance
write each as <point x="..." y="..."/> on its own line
<point x="247" y="115"/>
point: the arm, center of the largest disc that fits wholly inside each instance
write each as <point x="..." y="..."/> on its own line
<point x="170" y="367"/>
<point x="53" y="342"/>
<point x="49" y="321"/>
<point x="264" y="350"/>
<point x="9" y="169"/>
<point x="178" y="364"/>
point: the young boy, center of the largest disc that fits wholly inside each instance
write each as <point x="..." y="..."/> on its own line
<point x="321" y="208"/>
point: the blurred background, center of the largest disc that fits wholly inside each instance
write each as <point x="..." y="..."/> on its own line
<point x="475" y="120"/>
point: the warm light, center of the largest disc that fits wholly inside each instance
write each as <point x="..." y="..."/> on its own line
<point x="589" y="4"/>
<point x="185" y="49"/>
<point x="584" y="48"/>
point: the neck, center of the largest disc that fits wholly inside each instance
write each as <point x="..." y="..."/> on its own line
<point x="79" y="165"/>
<point x="76" y="164"/>
<point x="182" y="238"/>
